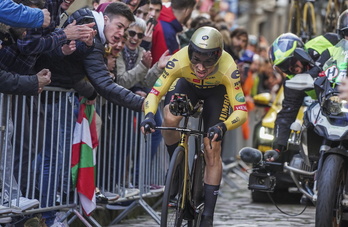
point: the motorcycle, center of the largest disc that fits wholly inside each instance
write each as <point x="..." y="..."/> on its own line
<point x="321" y="174"/>
<point x="319" y="169"/>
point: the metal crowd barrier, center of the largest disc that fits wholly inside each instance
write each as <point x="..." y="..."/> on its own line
<point x="36" y="134"/>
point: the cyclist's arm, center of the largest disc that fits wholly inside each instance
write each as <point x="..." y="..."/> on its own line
<point x="161" y="87"/>
<point x="237" y="101"/>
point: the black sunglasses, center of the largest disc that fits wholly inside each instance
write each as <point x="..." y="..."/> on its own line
<point x="133" y="33"/>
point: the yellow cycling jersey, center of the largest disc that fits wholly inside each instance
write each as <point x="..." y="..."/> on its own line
<point x="225" y="73"/>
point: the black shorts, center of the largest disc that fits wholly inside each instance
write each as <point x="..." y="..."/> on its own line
<point x="216" y="106"/>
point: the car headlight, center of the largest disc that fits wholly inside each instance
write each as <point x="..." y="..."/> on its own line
<point x="334" y="105"/>
<point x="266" y="133"/>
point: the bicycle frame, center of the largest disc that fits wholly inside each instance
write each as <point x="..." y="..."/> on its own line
<point x="184" y="138"/>
<point x="181" y="183"/>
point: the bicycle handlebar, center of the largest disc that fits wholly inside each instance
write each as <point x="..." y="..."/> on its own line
<point x="180" y="129"/>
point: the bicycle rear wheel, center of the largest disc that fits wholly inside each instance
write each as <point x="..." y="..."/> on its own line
<point x="172" y="214"/>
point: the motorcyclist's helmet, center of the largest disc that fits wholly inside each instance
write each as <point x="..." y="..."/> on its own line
<point x="206" y="41"/>
<point x="342" y="24"/>
<point x="281" y="53"/>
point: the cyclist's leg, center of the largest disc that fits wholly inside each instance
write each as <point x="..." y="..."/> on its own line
<point x="171" y="138"/>
<point x="216" y="105"/>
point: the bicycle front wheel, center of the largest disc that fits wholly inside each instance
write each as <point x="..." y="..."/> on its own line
<point x="172" y="214"/>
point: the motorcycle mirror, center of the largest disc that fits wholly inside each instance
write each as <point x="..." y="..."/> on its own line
<point x="262" y="99"/>
<point x="303" y="56"/>
<point x="300" y="82"/>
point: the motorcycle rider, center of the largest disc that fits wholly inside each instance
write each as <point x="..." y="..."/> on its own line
<point x="291" y="56"/>
<point x="338" y="53"/>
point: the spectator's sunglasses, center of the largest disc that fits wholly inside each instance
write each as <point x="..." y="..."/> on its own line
<point x="133" y="33"/>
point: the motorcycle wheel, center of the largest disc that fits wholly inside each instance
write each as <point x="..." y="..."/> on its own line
<point x="330" y="192"/>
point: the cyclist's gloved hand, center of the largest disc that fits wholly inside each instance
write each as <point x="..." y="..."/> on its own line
<point x="271" y="155"/>
<point x="218" y="129"/>
<point x="148" y="123"/>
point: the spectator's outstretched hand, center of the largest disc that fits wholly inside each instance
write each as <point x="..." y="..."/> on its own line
<point x="44" y="78"/>
<point x="89" y="39"/>
<point x="148" y="32"/>
<point x="47" y="18"/>
<point x="162" y="62"/>
<point x="343" y="89"/>
<point x="68" y="49"/>
<point x="79" y="32"/>
<point x="147" y="59"/>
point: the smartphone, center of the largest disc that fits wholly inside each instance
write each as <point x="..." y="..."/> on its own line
<point x="86" y="20"/>
<point x="152" y="21"/>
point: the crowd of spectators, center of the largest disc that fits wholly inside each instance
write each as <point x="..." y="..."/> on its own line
<point x="118" y="54"/>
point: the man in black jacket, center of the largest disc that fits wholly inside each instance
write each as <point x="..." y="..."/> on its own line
<point x="110" y="27"/>
<point x="86" y="59"/>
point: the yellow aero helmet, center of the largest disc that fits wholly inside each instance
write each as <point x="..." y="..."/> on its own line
<point x="206" y="41"/>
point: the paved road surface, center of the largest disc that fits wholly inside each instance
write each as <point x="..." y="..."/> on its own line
<point x="235" y="208"/>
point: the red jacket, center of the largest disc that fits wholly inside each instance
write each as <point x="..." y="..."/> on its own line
<point x="165" y="34"/>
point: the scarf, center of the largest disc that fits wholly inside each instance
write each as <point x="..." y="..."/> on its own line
<point x="130" y="57"/>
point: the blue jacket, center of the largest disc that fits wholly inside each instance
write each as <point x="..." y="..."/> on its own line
<point x="18" y="15"/>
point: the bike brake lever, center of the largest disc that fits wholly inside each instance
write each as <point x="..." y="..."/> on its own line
<point x="147" y="128"/>
<point x="211" y="136"/>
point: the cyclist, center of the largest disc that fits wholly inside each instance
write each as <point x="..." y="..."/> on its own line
<point x="203" y="71"/>
<point x="291" y="56"/>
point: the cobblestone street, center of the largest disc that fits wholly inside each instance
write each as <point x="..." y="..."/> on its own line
<point x="235" y="208"/>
